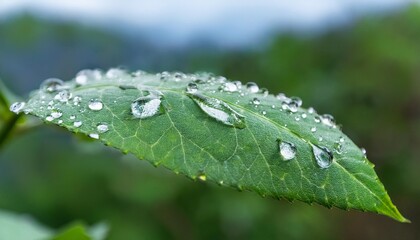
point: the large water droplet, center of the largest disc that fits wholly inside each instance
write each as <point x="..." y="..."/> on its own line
<point x="323" y="156"/>
<point x="115" y="73"/>
<point x="17" y="107"/>
<point x="219" y="110"/>
<point x="145" y="107"/>
<point x="252" y="87"/>
<point x="95" y="105"/>
<point x="102" y="128"/>
<point x="287" y="150"/>
<point x="52" y="85"/>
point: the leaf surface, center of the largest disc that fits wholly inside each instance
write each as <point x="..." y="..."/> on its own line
<point x="209" y="128"/>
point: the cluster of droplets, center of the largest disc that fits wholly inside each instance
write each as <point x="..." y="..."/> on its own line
<point x="149" y="104"/>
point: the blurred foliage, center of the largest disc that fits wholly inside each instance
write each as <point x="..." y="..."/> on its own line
<point x="366" y="74"/>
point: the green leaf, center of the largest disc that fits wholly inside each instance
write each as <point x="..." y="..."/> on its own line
<point x="18" y="226"/>
<point x="208" y="128"/>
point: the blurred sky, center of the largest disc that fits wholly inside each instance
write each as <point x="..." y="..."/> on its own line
<point x="225" y="22"/>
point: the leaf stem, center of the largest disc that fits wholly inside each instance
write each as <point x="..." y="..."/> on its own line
<point x="8" y="127"/>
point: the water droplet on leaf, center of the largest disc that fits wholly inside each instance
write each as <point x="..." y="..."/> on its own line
<point x="17" y="107"/>
<point x="192" y="87"/>
<point x="77" y="124"/>
<point x="63" y="96"/>
<point x="323" y="156"/>
<point x="56" y="114"/>
<point x="94" y="135"/>
<point x="145" y="107"/>
<point x="287" y="150"/>
<point x="219" y="110"/>
<point x="52" y="85"/>
<point x="102" y="128"/>
<point x="252" y="87"/>
<point x="95" y="105"/>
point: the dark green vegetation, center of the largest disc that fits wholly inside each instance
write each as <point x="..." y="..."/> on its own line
<point x="367" y="76"/>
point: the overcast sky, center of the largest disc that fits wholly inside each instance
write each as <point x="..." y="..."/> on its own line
<point x="230" y="21"/>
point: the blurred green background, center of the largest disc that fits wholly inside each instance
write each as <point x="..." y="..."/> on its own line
<point x="366" y="74"/>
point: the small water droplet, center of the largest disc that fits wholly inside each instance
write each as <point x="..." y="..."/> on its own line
<point x="202" y="177"/>
<point x="95" y="105"/>
<point x="311" y="110"/>
<point x="63" y="96"/>
<point x="94" y="135"/>
<point x="256" y="101"/>
<point x="328" y="120"/>
<point x="291" y="106"/>
<point x="145" y="107"/>
<point x="77" y="124"/>
<point x="338" y="147"/>
<point x="17" y="107"/>
<point x="264" y="92"/>
<point x="52" y="85"/>
<point x="297" y="118"/>
<point x="304" y="115"/>
<point x="72" y="117"/>
<point x="219" y="110"/>
<point x="263" y="112"/>
<point x="77" y="100"/>
<point x="323" y="156"/>
<point x="192" y="87"/>
<point x="317" y="119"/>
<point x="341" y="139"/>
<point x="102" y="128"/>
<point x="60" y="121"/>
<point x="364" y="152"/>
<point x="252" y="87"/>
<point x="313" y="129"/>
<point x="287" y="150"/>
<point x="56" y="114"/>
<point x="320" y="139"/>
<point x="49" y="118"/>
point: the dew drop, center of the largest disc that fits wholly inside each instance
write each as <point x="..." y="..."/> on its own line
<point x="313" y="129"/>
<point x="192" y="87"/>
<point x="317" y="119"/>
<point x="49" y="118"/>
<point x="84" y="76"/>
<point x="56" y="114"/>
<point x="95" y="105"/>
<point x="320" y="139"/>
<point x="77" y="100"/>
<point x="60" y="121"/>
<point x="229" y="87"/>
<point x="304" y="115"/>
<point x="297" y="118"/>
<point x="328" y="120"/>
<point x="202" y="177"/>
<point x="341" y="139"/>
<point x="252" y="87"/>
<point x="263" y="112"/>
<point x="338" y="147"/>
<point x="94" y="135"/>
<point x="323" y="156"/>
<point x="145" y="107"/>
<point x="219" y="110"/>
<point x="363" y="151"/>
<point x="17" y="107"/>
<point x="63" y="96"/>
<point x="52" y="85"/>
<point x="72" y="117"/>
<point x="287" y="150"/>
<point x="102" y="128"/>
<point x="256" y="101"/>
<point x="311" y="110"/>
<point x="77" y="124"/>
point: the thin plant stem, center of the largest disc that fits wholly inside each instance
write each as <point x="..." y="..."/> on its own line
<point x="7" y="128"/>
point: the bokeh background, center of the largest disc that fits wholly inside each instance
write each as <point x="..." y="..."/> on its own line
<point x="357" y="60"/>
